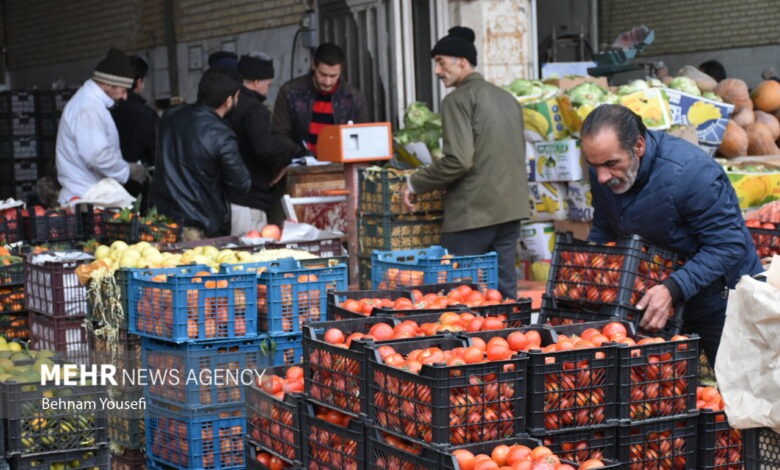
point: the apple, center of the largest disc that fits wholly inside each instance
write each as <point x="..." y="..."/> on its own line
<point x="271" y="231"/>
<point x="252" y="234"/>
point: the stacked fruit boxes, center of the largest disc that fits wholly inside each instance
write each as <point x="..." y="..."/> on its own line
<point x="14" y="321"/>
<point x="199" y="346"/>
<point x="384" y="224"/>
<point x="18" y="147"/>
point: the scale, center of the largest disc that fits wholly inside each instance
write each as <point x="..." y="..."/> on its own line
<point x="354" y="145"/>
<point x="616" y="58"/>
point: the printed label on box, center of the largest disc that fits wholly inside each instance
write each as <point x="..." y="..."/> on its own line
<point x="559" y="160"/>
<point x="536" y="241"/>
<point x="651" y="105"/>
<point x="709" y="117"/>
<point x="548" y="201"/>
<point x="755" y="189"/>
<point x="579" y="201"/>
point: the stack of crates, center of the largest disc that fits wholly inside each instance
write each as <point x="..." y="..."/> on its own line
<point x="57" y="303"/>
<point x="18" y="146"/>
<point x="48" y="109"/>
<point x="290" y="293"/>
<point x="199" y="348"/>
<point x="383" y="222"/>
<point x="14" y="321"/>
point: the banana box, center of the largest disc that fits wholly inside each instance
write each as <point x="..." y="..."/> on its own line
<point x="549" y="119"/>
<point x="537" y="241"/>
<point x="579" y="200"/>
<point x="755" y="189"/>
<point x="548" y="201"/>
<point x="558" y="160"/>
<point x="709" y="117"/>
<point x="651" y="105"/>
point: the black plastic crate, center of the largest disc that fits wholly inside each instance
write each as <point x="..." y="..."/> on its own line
<point x="336" y="376"/>
<point x="762" y="449"/>
<point x="398" y="232"/>
<point x="128" y="459"/>
<point x="14" y="172"/>
<point x="597" y="442"/>
<point x="116" y="347"/>
<point x="33" y="429"/>
<point x="657" y="380"/>
<point x="328" y="446"/>
<point x="12" y="299"/>
<point x="336" y="298"/>
<point x="274" y="424"/>
<point x="438" y="405"/>
<point x="253" y="451"/>
<point x="556" y="312"/>
<point x="607" y="274"/>
<point x="53" y="288"/>
<point x="126" y="427"/>
<point x="661" y="443"/>
<point x="11" y="225"/>
<point x="92" y="223"/>
<point x="766" y="239"/>
<point x="47" y="225"/>
<point x="52" y="101"/>
<point x="98" y="458"/>
<point x="17" y="125"/>
<point x="17" y="101"/>
<point x="47" y="148"/>
<point x="380" y="193"/>
<point x="720" y="446"/>
<point x="47" y="125"/>
<point x="572" y="389"/>
<point x="12" y="274"/>
<point x="19" y="148"/>
<point x="15" y="326"/>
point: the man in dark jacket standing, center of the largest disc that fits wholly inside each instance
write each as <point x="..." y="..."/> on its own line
<point x="306" y="104"/>
<point x="198" y="161"/>
<point x="483" y="168"/>
<point x="263" y="153"/>
<point x="136" y="123"/>
<point x="673" y="194"/>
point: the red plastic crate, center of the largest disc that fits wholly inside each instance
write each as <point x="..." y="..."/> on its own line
<point x="67" y="336"/>
<point x="52" y="287"/>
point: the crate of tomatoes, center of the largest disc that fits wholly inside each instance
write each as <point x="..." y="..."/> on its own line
<point x="766" y="238"/>
<point x="434" y="265"/>
<point x="388" y="451"/>
<point x="582" y="445"/>
<point x="45" y="225"/>
<point x="273" y="413"/>
<point x="332" y="440"/>
<point x="11" y="226"/>
<point x="617" y="273"/>
<point x="447" y="390"/>
<point x="660" y="443"/>
<point x="719" y="445"/>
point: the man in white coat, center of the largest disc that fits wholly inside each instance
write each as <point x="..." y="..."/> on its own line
<point x="87" y="140"/>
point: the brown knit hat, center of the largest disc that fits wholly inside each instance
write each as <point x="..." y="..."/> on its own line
<point x="114" y="70"/>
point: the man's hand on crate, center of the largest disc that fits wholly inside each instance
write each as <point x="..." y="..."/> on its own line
<point x="656" y="303"/>
<point x="408" y="194"/>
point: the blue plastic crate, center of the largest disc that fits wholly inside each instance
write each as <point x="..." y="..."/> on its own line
<point x="200" y="375"/>
<point x="189" y="307"/>
<point x="289" y="294"/>
<point x="434" y="265"/>
<point x="203" y="439"/>
<point x="281" y="350"/>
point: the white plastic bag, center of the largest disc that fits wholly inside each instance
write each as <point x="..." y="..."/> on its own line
<point x="748" y="365"/>
<point x="106" y="193"/>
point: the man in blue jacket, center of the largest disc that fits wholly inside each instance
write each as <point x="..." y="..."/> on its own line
<point x="673" y="194"/>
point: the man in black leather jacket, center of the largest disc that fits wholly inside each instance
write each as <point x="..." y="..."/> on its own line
<point x="197" y="160"/>
<point x="265" y="154"/>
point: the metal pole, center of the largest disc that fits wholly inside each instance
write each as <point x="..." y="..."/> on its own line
<point x="170" y="43"/>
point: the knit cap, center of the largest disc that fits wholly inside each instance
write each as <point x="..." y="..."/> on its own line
<point x="114" y="70"/>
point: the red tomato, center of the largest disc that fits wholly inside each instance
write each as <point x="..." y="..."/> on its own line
<point x="334" y="336"/>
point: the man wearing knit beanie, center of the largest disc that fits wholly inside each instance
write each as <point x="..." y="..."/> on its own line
<point x="264" y="153"/>
<point x="87" y="140"/>
<point x="483" y="167"/>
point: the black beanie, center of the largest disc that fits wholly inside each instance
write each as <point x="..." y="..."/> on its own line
<point x="223" y="58"/>
<point x="256" y="66"/>
<point x="458" y="43"/>
<point x="114" y="70"/>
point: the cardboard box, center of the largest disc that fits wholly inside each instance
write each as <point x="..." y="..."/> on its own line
<point x="567" y="83"/>
<point x="756" y="180"/>
<point x="651" y="105"/>
<point x="548" y="201"/>
<point x="581" y="230"/>
<point x="559" y="160"/>
<point x="579" y="201"/>
<point x="709" y="117"/>
<point x="551" y="119"/>
<point x="537" y="241"/>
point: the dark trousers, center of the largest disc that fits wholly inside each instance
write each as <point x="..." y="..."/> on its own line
<point x="709" y="328"/>
<point x="501" y="238"/>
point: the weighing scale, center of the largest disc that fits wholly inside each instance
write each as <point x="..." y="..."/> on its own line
<point x="354" y="145"/>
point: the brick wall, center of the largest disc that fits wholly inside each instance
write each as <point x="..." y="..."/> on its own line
<point x="693" y="25"/>
<point x="42" y="32"/>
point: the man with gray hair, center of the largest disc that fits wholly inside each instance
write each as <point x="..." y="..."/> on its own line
<point x="87" y="139"/>
<point x="263" y="153"/>
<point x="673" y="194"/>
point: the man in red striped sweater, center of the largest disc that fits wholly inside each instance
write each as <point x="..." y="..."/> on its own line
<point x="307" y="104"/>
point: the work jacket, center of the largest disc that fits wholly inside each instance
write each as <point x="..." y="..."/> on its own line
<point x="197" y="163"/>
<point x="483" y="167"/>
<point x="682" y="199"/>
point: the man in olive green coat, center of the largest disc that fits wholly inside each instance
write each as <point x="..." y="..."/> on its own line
<point x="483" y="168"/>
